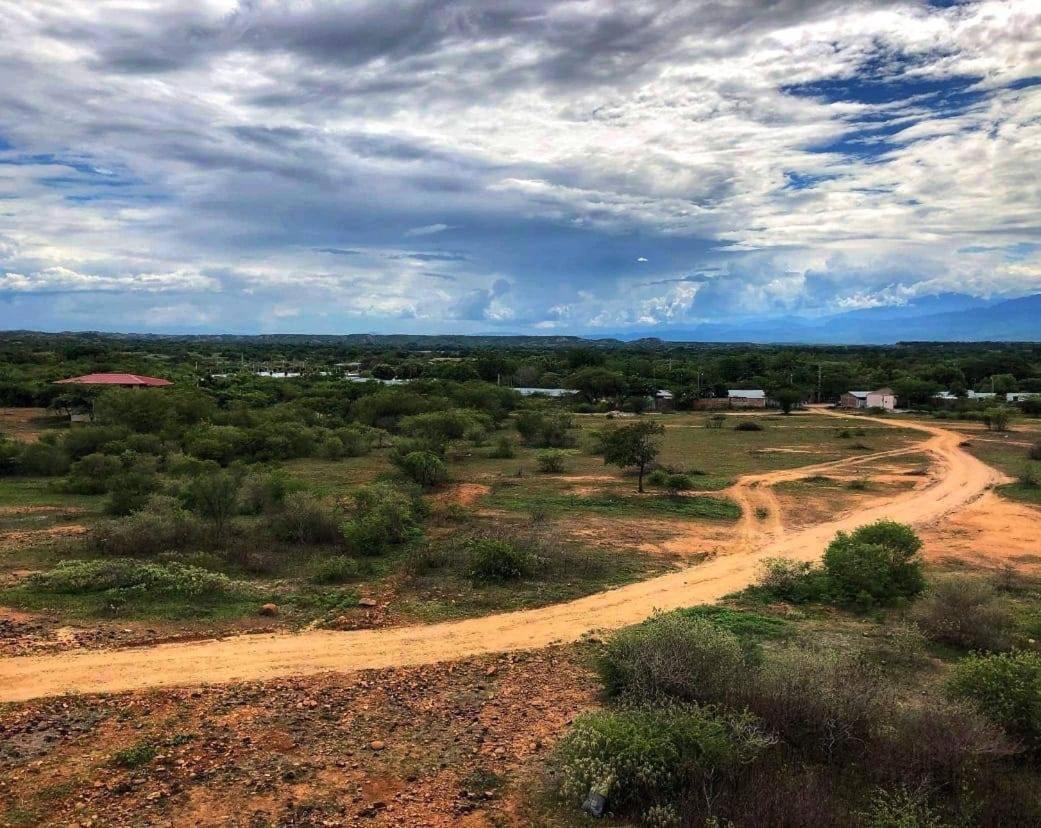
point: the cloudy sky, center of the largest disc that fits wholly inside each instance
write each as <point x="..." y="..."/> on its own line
<point x="517" y="166"/>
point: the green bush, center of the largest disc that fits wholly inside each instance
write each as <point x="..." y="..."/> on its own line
<point x="304" y="519"/>
<point x="550" y="461"/>
<point x="263" y="492"/>
<point x="126" y="576"/>
<point x="43" y="459"/>
<point x="748" y="425"/>
<point x="658" y="477"/>
<point x="643" y="758"/>
<point x="503" y="448"/>
<point x="901" y="808"/>
<point x="676" y="483"/>
<point x="494" y="560"/>
<point x="162" y="526"/>
<point x="1005" y="687"/>
<point x="874" y="565"/>
<point x="382" y="516"/>
<point x="335" y="570"/>
<point x="796" y="582"/>
<point x="673" y="656"/>
<point x="965" y="612"/>
<point x="424" y="468"/>
<point x="93" y="474"/>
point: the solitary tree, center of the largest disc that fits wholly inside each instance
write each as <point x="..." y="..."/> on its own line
<point x="787" y="398"/>
<point x="214" y="496"/>
<point x="632" y="446"/>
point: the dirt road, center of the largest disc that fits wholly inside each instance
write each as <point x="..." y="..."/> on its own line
<point x="957" y="478"/>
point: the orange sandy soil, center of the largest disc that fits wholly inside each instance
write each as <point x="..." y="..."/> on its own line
<point x="990" y="533"/>
<point x="460" y="744"/>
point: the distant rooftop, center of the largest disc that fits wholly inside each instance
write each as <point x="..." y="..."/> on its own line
<point x="127" y="380"/>
<point x="746" y="393"/>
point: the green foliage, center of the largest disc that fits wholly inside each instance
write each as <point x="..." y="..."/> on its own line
<point x="795" y="582"/>
<point x="997" y="418"/>
<point x="499" y="560"/>
<point x="748" y="425"/>
<point x="336" y="570"/>
<point x="749" y="627"/>
<point x="901" y="808"/>
<point x="965" y="612"/>
<point x="215" y="497"/>
<point x="1005" y="687"/>
<point x="304" y="519"/>
<point x="551" y="461"/>
<point x="43" y="459"/>
<point x="645" y="757"/>
<point x="632" y="446"/>
<point x="93" y="474"/>
<point x="676" y="483"/>
<point x="875" y="565"/>
<point x="424" y="468"/>
<point x="263" y="491"/>
<point x="674" y="655"/>
<point x="503" y="449"/>
<point x="383" y="516"/>
<point x="119" y="577"/>
<point x="787" y="398"/>
<point x="135" y="756"/>
<point x="545" y="430"/>
<point x="162" y="526"/>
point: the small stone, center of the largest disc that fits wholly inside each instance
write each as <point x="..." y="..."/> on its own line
<point x="269" y="609"/>
<point x="377" y="744"/>
<point x="366" y="602"/>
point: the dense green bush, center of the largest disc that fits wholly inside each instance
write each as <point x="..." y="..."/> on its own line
<point x="874" y="565"/>
<point x="498" y="560"/>
<point x="1005" y="687"/>
<point x="545" y="430"/>
<point x="304" y="519"/>
<point x="650" y="758"/>
<point x="503" y="449"/>
<point x="673" y="656"/>
<point x="748" y="425"/>
<point x="162" y="526"/>
<point x="796" y="582"/>
<point x="550" y="461"/>
<point x="126" y="576"/>
<point x="93" y="474"/>
<point x="382" y="516"/>
<point x="214" y="496"/>
<point x="263" y="491"/>
<point x="44" y="459"/>
<point x="424" y="468"/>
<point x="965" y="612"/>
<point x="676" y="483"/>
<point x="335" y="570"/>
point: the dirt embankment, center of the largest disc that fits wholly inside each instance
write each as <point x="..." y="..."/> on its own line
<point x="961" y="480"/>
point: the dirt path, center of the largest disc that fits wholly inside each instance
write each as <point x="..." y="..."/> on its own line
<point x="960" y="478"/>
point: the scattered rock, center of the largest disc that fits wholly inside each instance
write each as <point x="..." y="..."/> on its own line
<point x="269" y="609"/>
<point x="377" y="744"/>
<point x="367" y="602"/>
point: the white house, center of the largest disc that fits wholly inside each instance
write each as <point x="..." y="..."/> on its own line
<point x="879" y="398"/>
<point x="746" y="398"/>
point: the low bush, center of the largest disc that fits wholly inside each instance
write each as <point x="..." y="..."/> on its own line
<point x="163" y="525"/>
<point x="43" y="459"/>
<point x="965" y="612"/>
<point x="748" y="425"/>
<point x="93" y="474"/>
<point x="382" y="516"/>
<point x="1005" y="687"/>
<point x="875" y="565"/>
<point x="304" y="519"/>
<point x="124" y="576"/>
<point x="424" y="468"/>
<point x="901" y="808"/>
<point x="335" y="570"/>
<point x="263" y="491"/>
<point x="644" y="761"/>
<point x="1034" y="452"/>
<point x="676" y="483"/>
<point x="796" y="582"/>
<point x="673" y="656"/>
<point x="503" y="448"/>
<point x="550" y="461"/>
<point x="499" y="560"/>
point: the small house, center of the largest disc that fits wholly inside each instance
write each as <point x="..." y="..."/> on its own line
<point x="746" y="398"/>
<point x="879" y="398"/>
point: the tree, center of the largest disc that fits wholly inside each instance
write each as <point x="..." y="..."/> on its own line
<point x="632" y="446"/>
<point x="997" y="419"/>
<point x="787" y="398"/>
<point x="214" y="496"/>
<point x="597" y="383"/>
<point x="383" y="371"/>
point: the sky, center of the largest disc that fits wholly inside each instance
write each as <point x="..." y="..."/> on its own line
<point x="522" y="166"/>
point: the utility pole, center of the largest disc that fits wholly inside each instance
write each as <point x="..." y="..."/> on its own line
<point x="819" y="382"/>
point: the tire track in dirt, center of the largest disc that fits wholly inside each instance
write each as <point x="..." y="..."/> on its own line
<point x="961" y="479"/>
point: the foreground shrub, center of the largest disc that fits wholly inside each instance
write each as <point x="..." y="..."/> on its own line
<point x="874" y="565"/>
<point x="335" y="570"/>
<point x="124" y="577"/>
<point x="503" y="449"/>
<point x="163" y="525"/>
<point x="901" y="808"/>
<point x="304" y="519"/>
<point x="650" y="758"/>
<point x="424" y="468"/>
<point x="783" y="579"/>
<point x="965" y="612"/>
<point x="497" y="560"/>
<point x="93" y="474"/>
<point x="1006" y="688"/>
<point x="43" y="459"/>
<point x="263" y="492"/>
<point x="673" y="656"/>
<point x="748" y="425"/>
<point x="550" y="461"/>
<point x="382" y="516"/>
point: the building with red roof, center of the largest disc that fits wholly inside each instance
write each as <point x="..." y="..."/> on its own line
<point x="124" y="380"/>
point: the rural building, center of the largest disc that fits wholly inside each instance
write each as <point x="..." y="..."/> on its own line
<point x="746" y="398"/>
<point x="879" y="398"/>
<point x="1019" y="396"/>
<point x="122" y="380"/>
<point x="663" y="399"/>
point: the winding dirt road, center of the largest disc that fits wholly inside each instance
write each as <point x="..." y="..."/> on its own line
<point x="957" y="479"/>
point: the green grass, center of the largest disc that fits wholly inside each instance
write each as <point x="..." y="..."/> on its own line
<point x="1012" y="459"/>
<point x="42" y="491"/>
<point x="750" y="627"/>
<point x="526" y="498"/>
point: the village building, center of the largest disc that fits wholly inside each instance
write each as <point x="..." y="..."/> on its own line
<point x="879" y="398"/>
<point x="746" y="398"/>
<point x="81" y="411"/>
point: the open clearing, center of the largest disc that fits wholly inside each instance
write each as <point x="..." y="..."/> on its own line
<point x="958" y="479"/>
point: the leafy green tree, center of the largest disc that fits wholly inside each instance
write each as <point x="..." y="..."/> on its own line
<point x="874" y="565"/>
<point x="215" y="497"/>
<point x="787" y="398"/>
<point x="632" y="446"/>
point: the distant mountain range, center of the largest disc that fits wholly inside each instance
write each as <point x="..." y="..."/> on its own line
<point x="945" y="318"/>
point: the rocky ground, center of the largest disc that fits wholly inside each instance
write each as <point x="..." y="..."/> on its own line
<point x="454" y="744"/>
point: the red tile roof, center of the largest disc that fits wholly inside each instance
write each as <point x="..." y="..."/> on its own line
<point x="114" y="379"/>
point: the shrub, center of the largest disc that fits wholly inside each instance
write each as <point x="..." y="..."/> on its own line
<point x="306" y="520"/>
<point x="215" y="497"/>
<point x="503" y="448"/>
<point x="965" y="612"/>
<point x="262" y="492"/>
<point x="545" y="430"/>
<point x="673" y="656"/>
<point x="129" y="492"/>
<point x="658" y="477"/>
<point x="1034" y="452"/>
<point x="997" y="419"/>
<point x="161" y="527"/>
<point x="716" y="421"/>
<point x="644" y="758"/>
<point x="382" y="516"/>
<point x="550" y="461"/>
<point x="135" y="756"/>
<point x="676" y="483"/>
<point x="748" y="425"/>
<point x="494" y="560"/>
<point x="876" y="564"/>
<point x="43" y="459"/>
<point x="424" y="468"/>
<point x="1005" y="687"/>
<point x="122" y="576"/>
<point x="796" y="582"/>
<point x="901" y="808"/>
<point x="335" y="570"/>
<point x="93" y="474"/>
